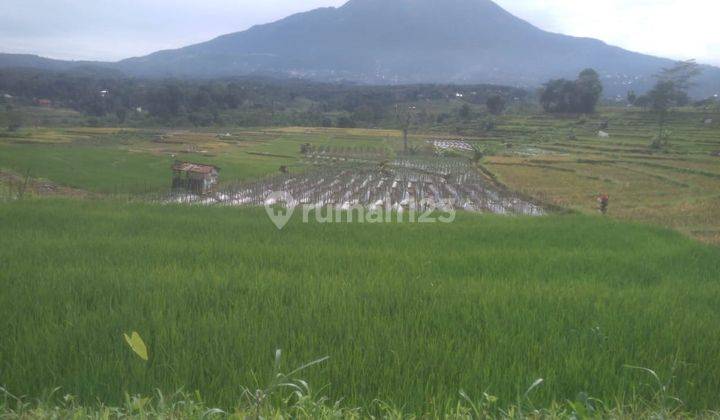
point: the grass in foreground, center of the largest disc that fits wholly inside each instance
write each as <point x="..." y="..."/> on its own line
<point x="409" y="314"/>
<point x="304" y="406"/>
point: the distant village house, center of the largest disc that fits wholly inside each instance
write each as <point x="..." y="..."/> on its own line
<point x="194" y="177"/>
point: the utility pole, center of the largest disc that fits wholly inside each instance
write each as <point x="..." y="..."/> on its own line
<point x="405" y="119"/>
<point x="406" y="128"/>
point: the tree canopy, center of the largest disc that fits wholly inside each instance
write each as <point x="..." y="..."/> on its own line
<point x="672" y="86"/>
<point x="567" y="96"/>
<point x="496" y="104"/>
<point x="237" y="101"/>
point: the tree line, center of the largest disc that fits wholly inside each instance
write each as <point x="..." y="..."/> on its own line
<point x="579" y="96"/>
<point x="239" y="101"/>
<point x="111" y="99"/>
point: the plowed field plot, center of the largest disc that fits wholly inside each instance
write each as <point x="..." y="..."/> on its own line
<point x="404" y="184"/>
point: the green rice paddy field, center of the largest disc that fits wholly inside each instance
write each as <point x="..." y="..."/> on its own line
<point x="409" y="314"/>
<point x="558" y="160"/>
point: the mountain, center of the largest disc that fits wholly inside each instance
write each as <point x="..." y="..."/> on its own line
<point x="409" y="41"/>
<point x="84" y="68"/>
<point x="37" y="62"/>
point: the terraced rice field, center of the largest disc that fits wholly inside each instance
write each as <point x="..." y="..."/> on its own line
<point x="553" y="160"/>
<point x="677" y="186"/>
<point x="410" y="314"/>
<point x="404" y="184"/>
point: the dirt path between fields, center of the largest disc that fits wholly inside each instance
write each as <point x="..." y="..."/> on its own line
<point x="13" y="183"/>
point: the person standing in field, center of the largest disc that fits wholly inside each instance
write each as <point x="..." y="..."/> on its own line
<point x="603" y="202"/>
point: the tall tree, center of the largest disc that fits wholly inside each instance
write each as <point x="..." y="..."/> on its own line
<point x="496" y="104"/>
<point x="465" y="112"/>
<point x="565" y="96"/>
<point x="14" y="118"/>
<point x="632" y="97"/>
<point x="589" y="88"/>
<point x="557" y="96"/>
<point x="681" y="74"/>
<point x="671" y="90"/>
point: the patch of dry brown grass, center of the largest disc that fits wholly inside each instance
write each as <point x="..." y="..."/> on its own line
<point x="687" y="202"/>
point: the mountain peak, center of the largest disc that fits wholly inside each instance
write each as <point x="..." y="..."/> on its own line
<point x="414" y="3"/>
<point x="406" y="41"/>
<point x="414" y="7"/>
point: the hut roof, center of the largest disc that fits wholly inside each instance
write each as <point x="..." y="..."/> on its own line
<point x="194" y="168"/>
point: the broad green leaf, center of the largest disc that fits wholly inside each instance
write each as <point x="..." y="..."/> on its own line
<point x="137" y="345"/>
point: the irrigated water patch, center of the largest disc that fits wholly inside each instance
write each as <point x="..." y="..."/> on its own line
<point x="403" y="184"/>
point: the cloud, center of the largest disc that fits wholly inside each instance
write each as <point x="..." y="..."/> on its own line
<point x="681" y="29"/>
<point x="116" y="29"/>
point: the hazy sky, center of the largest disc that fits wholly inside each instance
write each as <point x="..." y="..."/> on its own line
<point x="115" y="29"/>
